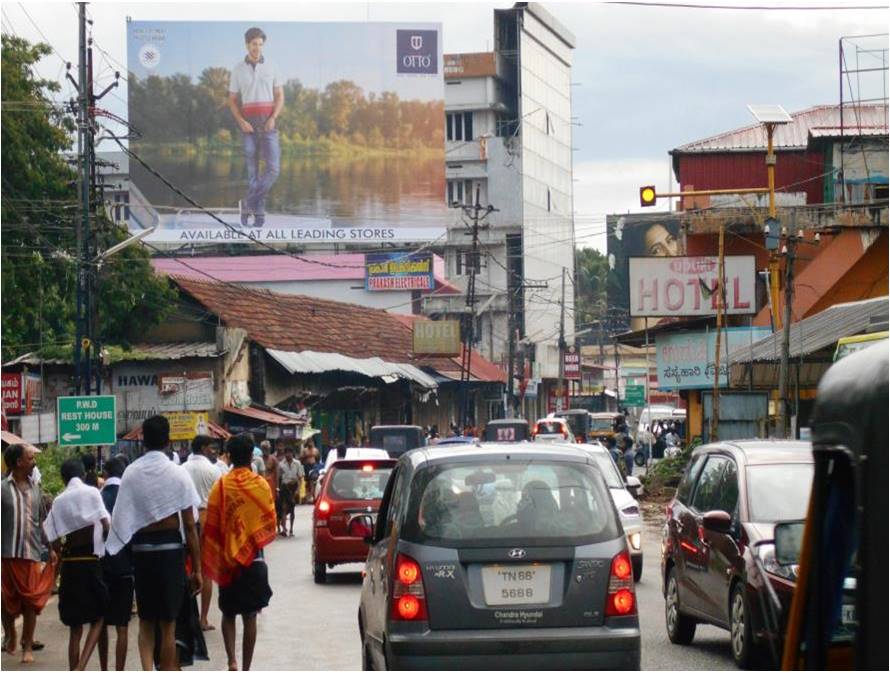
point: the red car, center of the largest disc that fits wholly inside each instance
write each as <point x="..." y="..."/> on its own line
<point x="344" y="512"/>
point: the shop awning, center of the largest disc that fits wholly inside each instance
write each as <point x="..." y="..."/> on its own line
<point x="10" y="438"/>
<point x="263" y="416"/>
<point x="312" y="362"/>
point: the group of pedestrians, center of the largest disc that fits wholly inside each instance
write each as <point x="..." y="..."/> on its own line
<point x="157" y="529"/>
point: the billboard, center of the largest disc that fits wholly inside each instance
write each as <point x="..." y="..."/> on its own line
<point x="687" y="286"/>
<point x="12" y="393"/>
<point x="686" y="360"/>
<point x="571" y="366"/>
<point x="287" y="132"/>
<point x="399" y="271"/>
<point x="645" y="235"/>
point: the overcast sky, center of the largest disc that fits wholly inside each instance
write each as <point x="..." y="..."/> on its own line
<point x="647" y="79"/>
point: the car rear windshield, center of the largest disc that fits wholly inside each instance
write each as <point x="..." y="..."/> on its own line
<point x="507" y="501"/>
<point x="608" y="469"/>
<point x="603" y="424"/>
<point x="550" y="428"/>
<point x="779" y="492"/>
<point x="358" y="483"/>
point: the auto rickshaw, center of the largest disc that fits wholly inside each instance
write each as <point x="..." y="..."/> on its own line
<point x="397" y="439"/>
<point x="604" y="425"/>
<point x="507" y="430"/>
<point x="838" y="614"/>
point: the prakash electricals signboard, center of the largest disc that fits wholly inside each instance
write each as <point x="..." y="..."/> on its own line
<point x="287" y="133"/>
<point x="687" y="286"/>
<point x="399" y="271"/>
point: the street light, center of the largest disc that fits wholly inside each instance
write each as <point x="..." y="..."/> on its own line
<point x="114" y="249"/>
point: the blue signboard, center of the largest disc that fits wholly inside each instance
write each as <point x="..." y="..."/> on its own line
<point x="399" y="271"/>
<point x="686" y="360"/>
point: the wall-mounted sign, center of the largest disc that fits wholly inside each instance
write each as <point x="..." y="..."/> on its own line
<point x="399" y="271"/>
<point x="12" y="394"/>
<point x="186" y="425"/>
<point x="572" y="364"/>
<point x="687" y="286"/>
<point x="686" y="360"/>
<point x="437" y="337"/>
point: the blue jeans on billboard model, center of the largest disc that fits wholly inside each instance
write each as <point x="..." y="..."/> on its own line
<point x="261" y="145"/>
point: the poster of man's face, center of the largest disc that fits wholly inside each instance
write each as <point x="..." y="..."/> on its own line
<point x="647" y="235"/>
<point x="287" y="132"/>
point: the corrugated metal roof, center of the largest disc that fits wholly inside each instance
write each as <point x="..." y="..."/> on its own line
<point x="311" y="362"/>
<point x="816" y="332"/>
<point x="796" y="134"/>
<point x="176" y="350"/>
<point x="263" y="415"/>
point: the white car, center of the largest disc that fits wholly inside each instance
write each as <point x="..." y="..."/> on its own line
<point x="551" y="430"/>
<point x="358" y="453"/>
<point x="626" y="504"/>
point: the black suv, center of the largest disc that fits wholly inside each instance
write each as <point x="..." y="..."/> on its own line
<point x="717" y="544"/>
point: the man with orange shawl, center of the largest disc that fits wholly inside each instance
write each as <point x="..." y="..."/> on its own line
<point x="240" y="522"/>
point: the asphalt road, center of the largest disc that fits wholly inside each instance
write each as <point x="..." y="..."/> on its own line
<point x="308" y="626"/>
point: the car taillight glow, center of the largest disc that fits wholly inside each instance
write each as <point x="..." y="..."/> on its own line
<point x="620" y="599"/>
<point x="408" y="571"/>
<point x="324" y="506"/>
<point x="408" y="606"/>
<point x="408" y="595"/>
<point x="367" y="468"/>
<point x="623" y="601"/>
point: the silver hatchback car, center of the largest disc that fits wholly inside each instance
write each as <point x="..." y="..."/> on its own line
<point x="498" y="556"/>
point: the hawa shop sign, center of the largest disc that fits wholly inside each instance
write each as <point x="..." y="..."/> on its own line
<point x="687" y="286"/>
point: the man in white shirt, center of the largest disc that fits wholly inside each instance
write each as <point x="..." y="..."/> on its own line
<point x="204" y="474"/>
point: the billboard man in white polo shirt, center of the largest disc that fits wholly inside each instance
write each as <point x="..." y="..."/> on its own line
<point x="261" y="96"/>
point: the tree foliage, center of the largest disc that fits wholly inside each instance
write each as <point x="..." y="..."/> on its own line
<point x="592" y="272"/>
<point x="39" y="211"/>
<point x="173" y="109"/>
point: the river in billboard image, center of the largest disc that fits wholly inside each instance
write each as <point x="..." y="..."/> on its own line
<point x="288" y="132"/>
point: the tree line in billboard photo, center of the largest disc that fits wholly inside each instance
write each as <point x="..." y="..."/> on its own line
<point x="181" y="115"/>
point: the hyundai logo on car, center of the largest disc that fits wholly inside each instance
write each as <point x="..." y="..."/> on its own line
<point x="517" y="553"/>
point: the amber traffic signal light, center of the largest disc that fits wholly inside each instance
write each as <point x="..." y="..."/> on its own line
<point x="647" y="196"/>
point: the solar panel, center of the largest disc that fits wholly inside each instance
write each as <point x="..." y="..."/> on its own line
<point x="770" y="114"/>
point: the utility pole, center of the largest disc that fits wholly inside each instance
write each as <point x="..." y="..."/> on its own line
<point x="562" y="345"/>
<point x="715" y="397"/>
<point x="477" y="214"/>
<point x="789" y="250"/>
<point x="84" y="137"/>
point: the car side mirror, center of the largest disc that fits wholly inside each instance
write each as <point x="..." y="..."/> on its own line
<point x="363" y="527"/>
<point x="633" y="485"/>
<point x="717" y="521"/>
<point x="788" y="541"/>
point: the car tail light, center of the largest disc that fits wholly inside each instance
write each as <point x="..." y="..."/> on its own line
<point x="408" y="596"/>
<point x="620" y="599"/>
<point x="322" y="512"/>
<point x="367" y="468"/>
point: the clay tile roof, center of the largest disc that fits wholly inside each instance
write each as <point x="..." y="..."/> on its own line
<point x="298" y="323"/>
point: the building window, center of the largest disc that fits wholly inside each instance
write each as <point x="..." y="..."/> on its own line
<point x="464" y="261"/>
<point x="459" y="126"/>
<point x="460" y="193"/>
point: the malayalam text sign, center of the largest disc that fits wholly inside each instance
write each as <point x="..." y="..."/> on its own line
<point x="86" y="421"/>
<point x="398" y="271"/>
<point x="687" y="286"/>
<point x="12" y="394"/>
<point x="686" y="360"/>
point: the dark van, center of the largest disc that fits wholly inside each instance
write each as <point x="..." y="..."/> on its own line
<point x="397" y="439"/>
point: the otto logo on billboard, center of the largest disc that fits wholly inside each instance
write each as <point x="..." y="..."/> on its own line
<point x="687" y="286"/>
<point x="417" y="52"/>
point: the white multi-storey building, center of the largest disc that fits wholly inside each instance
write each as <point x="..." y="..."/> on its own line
<point x="509" y="136"/>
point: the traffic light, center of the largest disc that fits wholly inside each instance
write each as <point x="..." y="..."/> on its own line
<point x="647" y="196"/>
